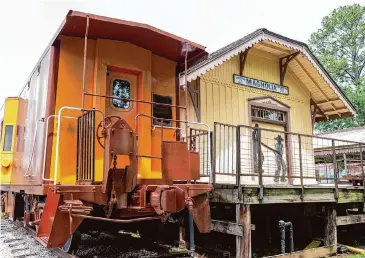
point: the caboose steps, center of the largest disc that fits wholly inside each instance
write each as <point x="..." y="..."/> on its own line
<point x="53" y="219"/>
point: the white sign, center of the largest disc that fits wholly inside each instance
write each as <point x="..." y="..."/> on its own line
<point x="242" y="80"/>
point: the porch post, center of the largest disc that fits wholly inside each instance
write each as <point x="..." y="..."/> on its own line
<point x="245" y="219"/>
<point x="330" y="228"/>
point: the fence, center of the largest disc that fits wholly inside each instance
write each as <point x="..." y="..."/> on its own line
<point x="257" y="156"/>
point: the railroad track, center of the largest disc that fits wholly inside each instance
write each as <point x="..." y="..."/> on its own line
<point x="20" y="243"/>
<point x="23" y="245"/>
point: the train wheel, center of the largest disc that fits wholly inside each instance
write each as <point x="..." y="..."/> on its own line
<point x="72" y="243"/>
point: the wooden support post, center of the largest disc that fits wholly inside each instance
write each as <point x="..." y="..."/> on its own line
<point x="245" y="219"/>
<point x="259" y="161"/>
<point x="238" y="238"/>
<point x="362" y="170"/>
<point x="301" y="168"/>
<point x="330" y="228"/>
<point x="335" y="170"/>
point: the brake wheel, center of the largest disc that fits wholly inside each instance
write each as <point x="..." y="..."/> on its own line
<point x="103" y="125"/>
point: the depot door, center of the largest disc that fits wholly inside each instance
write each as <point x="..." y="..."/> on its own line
<point x="274" y="150"/>
<point x="122" y="85"/>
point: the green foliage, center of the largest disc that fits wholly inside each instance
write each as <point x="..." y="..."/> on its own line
<point x="340" y="46"/>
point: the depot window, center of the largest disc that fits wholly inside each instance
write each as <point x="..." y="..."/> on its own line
<point x="164" y="112"/>
<point x="8" y="138"/>
<point x="268" y="114"/>
<point x="121" y="89"/>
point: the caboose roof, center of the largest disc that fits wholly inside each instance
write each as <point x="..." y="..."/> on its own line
<point x="306" y="68"/>
<point x="157" y="41"/>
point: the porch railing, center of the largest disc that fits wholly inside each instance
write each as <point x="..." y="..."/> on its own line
<point x="257" y="156"/>
<point x="198" y="142"/>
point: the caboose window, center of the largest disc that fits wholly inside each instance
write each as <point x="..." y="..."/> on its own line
<point x="164" y="112"/>
<point x="8" y="137"/>
<point x="121" y="89"/>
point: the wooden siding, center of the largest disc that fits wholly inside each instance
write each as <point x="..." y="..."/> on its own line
<point x="226" y="102"/>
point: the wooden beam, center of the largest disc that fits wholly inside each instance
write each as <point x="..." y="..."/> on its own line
<point x="328" y="102"/>
<point x="245" y="219"/>
<point x="317" y="107"/>
<point x="315" y="252"/>
<point x="227" y="227"/>
<point x="337" y="111"/>
<point x="283" y="64"/>
<point x="330" y="229"/>
<point x="351" y="219"/>
<point x="316" y="110"/>
<point x="243" y="59"/>
<point x="278" y="48"/>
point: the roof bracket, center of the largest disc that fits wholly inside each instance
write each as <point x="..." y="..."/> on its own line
<point x="283" y="65"/>
<point x="243" y="59"/>
<point x="315" y="109"/>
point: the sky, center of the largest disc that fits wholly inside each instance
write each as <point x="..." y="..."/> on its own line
<point x="27" y="26"/>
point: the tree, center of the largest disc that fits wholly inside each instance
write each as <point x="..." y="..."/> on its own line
<point x="340" y="46"/>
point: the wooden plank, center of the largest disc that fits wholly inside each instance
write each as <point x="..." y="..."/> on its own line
<point x="346" y="195"/>
<point x="315" y="252"/>
<point x="225" y="196"/>
<point x="227" y="227"/>
<point x="349" y="220"/>
<point x="288" y="195"/>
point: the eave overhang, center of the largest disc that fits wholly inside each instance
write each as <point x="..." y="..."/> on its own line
<point x="305" y="66"/>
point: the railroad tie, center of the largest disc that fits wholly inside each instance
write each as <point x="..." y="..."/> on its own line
<point x="19" y="250"/>
<point x="16" y="244"/>
<point x="24" y="255"/>
<point x="12" y="240"/>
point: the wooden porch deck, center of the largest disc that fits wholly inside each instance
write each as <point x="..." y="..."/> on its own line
<point x="248" y="194"/>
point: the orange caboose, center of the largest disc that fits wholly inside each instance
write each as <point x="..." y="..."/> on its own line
<point x="100" y="132"/>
